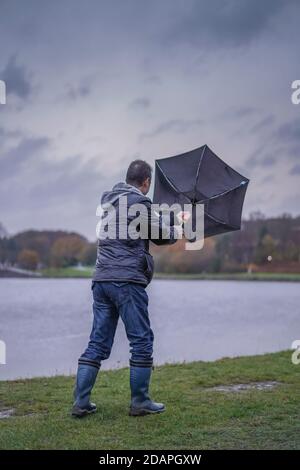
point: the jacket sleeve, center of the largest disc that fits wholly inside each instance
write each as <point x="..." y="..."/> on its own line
<point x="159" y="232"/>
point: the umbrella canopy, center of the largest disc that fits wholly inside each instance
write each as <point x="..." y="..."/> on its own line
<point x="201" y="177"/>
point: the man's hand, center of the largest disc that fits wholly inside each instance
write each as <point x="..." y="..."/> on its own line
<point x="183" y="216"/>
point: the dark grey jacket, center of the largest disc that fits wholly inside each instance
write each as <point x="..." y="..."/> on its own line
<point x="126" y="259"/>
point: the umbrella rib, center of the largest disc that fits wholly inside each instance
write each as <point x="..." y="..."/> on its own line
<point x="214" y="197"/>
<point x="215" y="218"/>
<point x="219" y="221"/>
<point x="168" y="180"/>
<point x="198" y="171"/>
<point x="220" y="194"/>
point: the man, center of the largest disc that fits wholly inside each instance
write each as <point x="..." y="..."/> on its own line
<point x="124" y="267"/>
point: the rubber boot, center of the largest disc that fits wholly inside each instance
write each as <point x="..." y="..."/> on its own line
<point x="85" y="380"/>
<point x="141" y="404"/>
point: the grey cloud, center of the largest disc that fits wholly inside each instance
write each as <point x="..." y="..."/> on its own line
<point x="226" y="22"/>
<point x="48" y="180"/>
<point x="153" y="79"/>
<point x="77" y="91"/>
<point x="13" y="160"/>
<point x="238" y="112"/>
<point x="288" y="136"/>
<point x="174" y="125"/>
<point x="261" y="158"/>
<point x="267" y="179"/>
<point x="268" y="160"/>
<point x="293" y="151"/>
<point x="289" y="131"/>
<point x="7" y="133"/>
<point x="283" y="144"/>
<point x="295" y="170"/>
<point x="70" y="194"/>
<point x="49" y="191"/>
<point x="17" y="79"/>
<point x="48" y="37"/>
<point x="263" y="124"/>
<point x="139" y="103"/>
<point x="72" y="178"/>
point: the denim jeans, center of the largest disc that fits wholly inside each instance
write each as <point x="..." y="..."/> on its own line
<point x="129" y="301"/>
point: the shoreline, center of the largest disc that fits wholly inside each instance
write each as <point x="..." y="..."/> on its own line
<point x="86" y="273"/>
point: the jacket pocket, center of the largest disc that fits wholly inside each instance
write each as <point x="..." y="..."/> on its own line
<point x="148" y="265"/>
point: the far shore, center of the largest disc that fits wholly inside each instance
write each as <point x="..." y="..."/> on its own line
<point x="86" y="273"/>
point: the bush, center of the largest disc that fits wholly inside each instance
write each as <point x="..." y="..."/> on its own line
<point x="28" y="259"/>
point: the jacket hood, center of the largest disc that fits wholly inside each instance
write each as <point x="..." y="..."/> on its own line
<point x="118" y="190"/>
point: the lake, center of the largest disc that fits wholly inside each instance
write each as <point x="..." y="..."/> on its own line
<point x="45" y="323"/>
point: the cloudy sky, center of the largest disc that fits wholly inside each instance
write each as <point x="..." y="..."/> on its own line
<point x="93" y="84"/>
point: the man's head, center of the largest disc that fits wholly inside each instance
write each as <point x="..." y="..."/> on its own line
<point x="139" y="174"/>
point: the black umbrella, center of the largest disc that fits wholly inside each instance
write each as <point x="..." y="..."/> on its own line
<point x="201" y="177"/>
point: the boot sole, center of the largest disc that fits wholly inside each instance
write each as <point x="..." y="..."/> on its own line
<point x="144" y="411"/>
<point x="83" y="414"/>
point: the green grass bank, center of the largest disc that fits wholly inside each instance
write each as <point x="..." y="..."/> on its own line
<point x="88" y="271"/>
<point x="197" y="416"/>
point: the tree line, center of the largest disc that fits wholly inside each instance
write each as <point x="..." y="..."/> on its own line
<point x="266" y="244"/>
<point x="262" y="244"/>
<point x="33" y="249"/>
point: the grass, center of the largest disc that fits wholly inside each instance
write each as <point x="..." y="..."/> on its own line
<point x="196" y="417"/>
<point x="87" y="272"/>
<point x="69" y="272"/>
<point x="294" y="277"/>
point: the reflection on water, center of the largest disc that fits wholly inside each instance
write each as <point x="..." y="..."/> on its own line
<point x="46" y="322"/>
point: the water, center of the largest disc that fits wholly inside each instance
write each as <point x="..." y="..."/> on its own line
<point x="45" y="323"/>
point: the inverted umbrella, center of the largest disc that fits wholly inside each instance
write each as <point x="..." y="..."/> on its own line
<point x="201" y="177"/>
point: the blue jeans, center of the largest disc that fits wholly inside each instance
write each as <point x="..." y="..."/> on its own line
<point x="129" y="301"/>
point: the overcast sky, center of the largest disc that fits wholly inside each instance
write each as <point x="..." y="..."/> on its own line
<point x="93" y="84"/>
